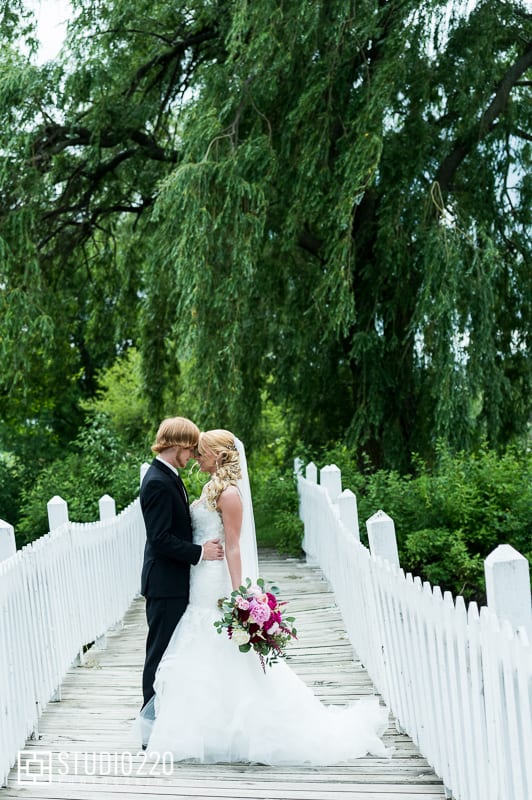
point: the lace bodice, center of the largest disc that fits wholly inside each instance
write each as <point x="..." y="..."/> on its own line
<point x="206" y="524"/>
<point x="209" y="580"/>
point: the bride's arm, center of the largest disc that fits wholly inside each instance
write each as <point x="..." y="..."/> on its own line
<point x="230" y="506"/>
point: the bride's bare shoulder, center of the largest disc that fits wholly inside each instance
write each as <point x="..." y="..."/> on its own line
<point x="230" y="497"/>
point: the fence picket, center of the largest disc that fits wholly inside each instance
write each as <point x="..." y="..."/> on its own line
<point x="523" y="688"/>
<point x="514" y="720"/>
<point x="455" y="701"/>
<point x="465" y="704"/>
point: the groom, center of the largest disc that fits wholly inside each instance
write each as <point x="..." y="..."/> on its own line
<point x="169" y="551"/>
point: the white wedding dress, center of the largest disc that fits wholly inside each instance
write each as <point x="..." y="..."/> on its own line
<point x="213" y="703"/>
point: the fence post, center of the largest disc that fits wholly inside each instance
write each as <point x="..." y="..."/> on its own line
<point x="143" y="470"/>
<point x="347" y="506"/>
<point x="381" y="536"/>
<point x="311" y="472"/>
<point x="57" y="512"/>
<point x="107" y="507"/>
<point x="331" y="479"/>
<point x="8" y="546"/>
<point x="508" y="587"/>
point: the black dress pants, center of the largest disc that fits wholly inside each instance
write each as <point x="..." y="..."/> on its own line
<point x="162" y="614"/>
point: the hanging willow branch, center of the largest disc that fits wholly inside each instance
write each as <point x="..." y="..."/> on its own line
<point x="476" y="133"/>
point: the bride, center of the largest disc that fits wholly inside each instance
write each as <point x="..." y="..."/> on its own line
<point x="212" y="702"/>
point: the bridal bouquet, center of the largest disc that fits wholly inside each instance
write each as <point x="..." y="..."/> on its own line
<point x="253" y="620"/>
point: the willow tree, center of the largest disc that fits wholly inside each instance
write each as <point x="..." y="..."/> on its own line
<point x="351" y="207"/>
<point x="84" y="139"/>
<point x="331" y="202"/>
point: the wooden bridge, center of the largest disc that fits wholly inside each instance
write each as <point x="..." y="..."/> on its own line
<point x="84" y="748"/>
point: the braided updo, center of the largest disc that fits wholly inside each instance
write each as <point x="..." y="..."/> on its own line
<point x="222" y="444"/>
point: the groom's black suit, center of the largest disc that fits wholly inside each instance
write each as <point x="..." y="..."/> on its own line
<point x="168" y="554"/>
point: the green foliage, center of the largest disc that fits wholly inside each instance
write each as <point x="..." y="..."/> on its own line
<point x="120" y="398"/>
<point x="10" y="487"/>
<point x="96" y="464"/>
<point x="450" y="517"/>
<point x="301" y="199"/>
<point x="233" y="189"/>
<point x="275" y="504"/>
<point x="274" y="491"/>
<point x="440" y="556"/>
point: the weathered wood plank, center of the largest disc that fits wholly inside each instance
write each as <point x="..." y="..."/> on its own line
<point x="100" y="700"/>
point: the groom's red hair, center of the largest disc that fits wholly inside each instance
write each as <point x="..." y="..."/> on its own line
<point x="174" y="431"/>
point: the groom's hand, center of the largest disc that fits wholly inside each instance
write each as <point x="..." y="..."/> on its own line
<point x="213" y="550"/>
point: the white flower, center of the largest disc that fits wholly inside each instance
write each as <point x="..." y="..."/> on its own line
<point x="240" y="637"/>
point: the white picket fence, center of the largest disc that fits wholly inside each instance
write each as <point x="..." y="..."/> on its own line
<point x="57" y="595"/>
<point x="459" y="682"/>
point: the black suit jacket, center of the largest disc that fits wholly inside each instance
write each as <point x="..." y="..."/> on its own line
<point x="169" y="550"/>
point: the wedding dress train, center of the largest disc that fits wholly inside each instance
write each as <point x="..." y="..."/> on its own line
<point x="213" y="703"/>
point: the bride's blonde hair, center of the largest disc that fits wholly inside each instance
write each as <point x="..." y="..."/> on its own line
<point x="222" y="444"/>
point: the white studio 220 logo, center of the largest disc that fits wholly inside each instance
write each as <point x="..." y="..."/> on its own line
<point x="43" y="766"/>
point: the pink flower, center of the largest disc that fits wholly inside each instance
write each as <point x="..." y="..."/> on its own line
<point x="241" y="602"/>
<point x="274" y="628"/>
<point x="272" y="600"/>
<point x="260" y="612"/>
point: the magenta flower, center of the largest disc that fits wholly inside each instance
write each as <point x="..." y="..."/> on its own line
<point x="272" y="625"/>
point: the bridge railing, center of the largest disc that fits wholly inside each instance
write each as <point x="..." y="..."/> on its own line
<point x="59" y="594"/>
<point x="458" y="680"/>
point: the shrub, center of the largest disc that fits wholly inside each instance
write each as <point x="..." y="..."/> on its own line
<point x="275" y="504"/>
<point x="121" y="400"/>
<point x="96" y="464"/>
<point x="440" y="556"/>
<point x="10" y="489"/>
<point x="449" y="518"/>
